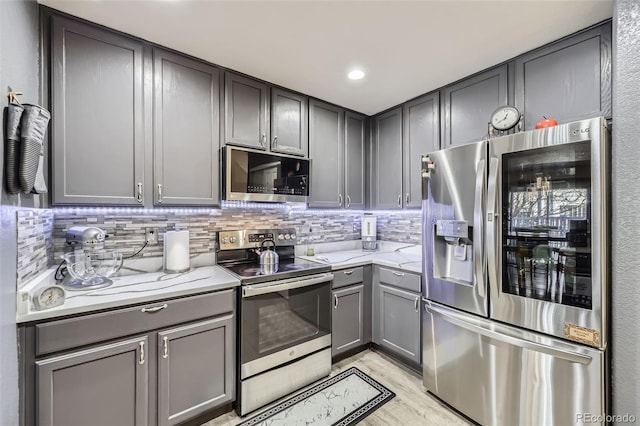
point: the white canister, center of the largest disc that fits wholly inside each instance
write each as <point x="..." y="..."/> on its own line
<point x="176" y="251"/>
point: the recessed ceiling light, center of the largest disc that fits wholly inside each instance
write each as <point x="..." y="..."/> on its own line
<point x="356" y="74"/>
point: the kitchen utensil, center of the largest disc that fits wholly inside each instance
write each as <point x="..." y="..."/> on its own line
<point x="91" y="269"/>
<point x="267" y="256"/>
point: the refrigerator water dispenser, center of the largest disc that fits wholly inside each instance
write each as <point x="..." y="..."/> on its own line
<point x="453" y="252"/>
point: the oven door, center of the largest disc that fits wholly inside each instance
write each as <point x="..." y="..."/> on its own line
<point x="283" y="320"/>
<point x="547" y="230"/>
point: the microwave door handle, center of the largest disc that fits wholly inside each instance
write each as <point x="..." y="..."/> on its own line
<point x="478" y="230"/>
<point x="250" y="290"/>
<point x="492" y="228"/>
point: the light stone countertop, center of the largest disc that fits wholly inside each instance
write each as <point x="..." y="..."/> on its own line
<point x="407" y="257"/>
<point x="127" y="290"/>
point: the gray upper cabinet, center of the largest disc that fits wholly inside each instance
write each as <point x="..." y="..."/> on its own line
<point x="97" y="116"/>
<point x="246" y="111"/>
<point x="386" y="184"/>
<point x="195" y="369"/>
<point x="468" y="104"/>
<point x="289" y="128"/>
<point x="186" y="117"/>
<point x="421" y="135"/>
<point x="326" y="149"/>
<point x="568" y="80"/>
<point x="355" y="160"/>
<point x="347" y="319"/>
<point x="106" y="385"/>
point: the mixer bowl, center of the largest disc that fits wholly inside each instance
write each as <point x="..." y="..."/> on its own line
<point x="92" y="269"/>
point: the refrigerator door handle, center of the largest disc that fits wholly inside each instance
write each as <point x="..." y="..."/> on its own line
<point x="492" y="217"/>
<point x="512" y="340"/>
<point x="478" y="230"/>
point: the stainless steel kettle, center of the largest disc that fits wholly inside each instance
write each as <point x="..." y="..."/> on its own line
<point x="268" y="256"/>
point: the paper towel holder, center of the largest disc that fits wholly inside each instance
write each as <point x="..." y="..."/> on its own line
<point x="180" y="261"/>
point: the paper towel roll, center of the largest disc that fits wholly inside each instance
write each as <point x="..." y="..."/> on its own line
<point x="176" y="251"/>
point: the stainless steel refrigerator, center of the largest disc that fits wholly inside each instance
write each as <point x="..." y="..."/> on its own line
<point x="515" y="260"/>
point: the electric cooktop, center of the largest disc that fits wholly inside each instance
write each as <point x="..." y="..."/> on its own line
<point x="252" y="272"/>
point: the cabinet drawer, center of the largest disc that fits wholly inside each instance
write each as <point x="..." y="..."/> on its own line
<point x="87" y="329"/>
<point x="348" y="276"/>
<point x="400" y="279"/>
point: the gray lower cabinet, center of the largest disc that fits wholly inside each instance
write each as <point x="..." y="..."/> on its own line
<point x="106" y="385"/>
<point x="186" y="131"/>
<point x="246" y="111"/>
<point x="347" y="320"/>
<point x="468" y="104"/>
<point x="189" y="357"/>
<point x="326" y="149"/>
<point x="386" y="185"/>
<point x="98" y="138"/>
<point x="396" y="312"/>
<point x="289" y="123"/>
<point x="567" y="80"/>
<point x="421" y="135"/>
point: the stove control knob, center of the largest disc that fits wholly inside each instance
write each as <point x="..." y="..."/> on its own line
<point x="281" y="237"/>
<point x="286" y="236"/>
<point x="232" y="240"/>
<point x="293" y="236"/>
<point x="225" y="240"/>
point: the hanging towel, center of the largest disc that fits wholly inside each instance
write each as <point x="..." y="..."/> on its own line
<point x="13" y="148"/>
<point x="33" y="127"/>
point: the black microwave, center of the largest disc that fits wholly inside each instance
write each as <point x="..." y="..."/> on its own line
<point x="252" y="175"/>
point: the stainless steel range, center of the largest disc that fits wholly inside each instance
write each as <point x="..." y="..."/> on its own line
<point x="284" y="315"/>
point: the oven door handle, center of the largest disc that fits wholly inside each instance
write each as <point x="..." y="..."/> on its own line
<point x="249" y="290"/>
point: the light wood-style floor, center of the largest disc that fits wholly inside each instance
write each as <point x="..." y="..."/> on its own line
<point x="411" y="405"/>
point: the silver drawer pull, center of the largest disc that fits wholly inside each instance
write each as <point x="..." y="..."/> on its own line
<point x="348" y="201"/>
<point x="160" y="197"/>
<point x="348" y="272"/>
<point x="139" y="193"/>
<point x="417" y="305"/>
<point x="141" y="361"/>
<point x="154" y="309"/>
<point x="165" y="347"/>
<point x="398" y="274"/>
<point x="335" y="301"/>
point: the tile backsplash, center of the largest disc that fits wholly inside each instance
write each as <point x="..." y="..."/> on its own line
<point x="41" y="233"/>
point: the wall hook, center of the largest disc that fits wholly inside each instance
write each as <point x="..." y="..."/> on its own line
<point x="13" y="96"/>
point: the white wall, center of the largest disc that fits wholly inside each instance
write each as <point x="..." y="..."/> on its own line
<point x="19" y="67"/>
<point x="625" y="222"/>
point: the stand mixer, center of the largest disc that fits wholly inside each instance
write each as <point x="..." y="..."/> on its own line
<point x="89" y="264"/>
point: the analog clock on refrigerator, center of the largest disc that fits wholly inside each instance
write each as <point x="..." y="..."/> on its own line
<point x="505" y="118"/>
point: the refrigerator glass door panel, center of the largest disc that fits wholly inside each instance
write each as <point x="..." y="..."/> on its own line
<point x="546" y="225"/>
<point x="498" y="375"/>
<point x="452" y="226"/>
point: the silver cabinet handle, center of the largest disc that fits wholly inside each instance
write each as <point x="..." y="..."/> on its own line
<point x="416" y="305"/>
<point x="335" y="302"/>
<point x="160" y="198"/>
<point x="400" y="200"/>
<point x="139" y="194"/>
<point x="339" y="199"/>
<point x="263" y="141"/>
<point x="154" y="309"/>
<point x="407" y="199"/>
<point x="348" y="272"/>
<point x="275" y="141"/>
<point x="348" y="201"/>
<point x="141" y="360"/>
<point x="398" y="274"/>
<point x="165" y="347"/>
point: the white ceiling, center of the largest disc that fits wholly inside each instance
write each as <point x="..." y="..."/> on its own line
<point x="406" y="47"/>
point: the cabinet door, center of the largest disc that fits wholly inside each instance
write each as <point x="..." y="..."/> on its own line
<point x="421" y="135"/>
<point x="246" y="111"/>
<point x="97" y="116"/>
<point x="289" y="123"/>
<point x="355" y="160"/>
<point x="568" y="80"/>
<point x="347" y="320"/>
<point x="387" y="157"/>
<point x="106" y="385"/>
<point x="186" y="123"/>
<point x="326" y="147"/>
<point x="398" y="327"/>
<point x="467" y="106"/>
<point x="196" y="369"/>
